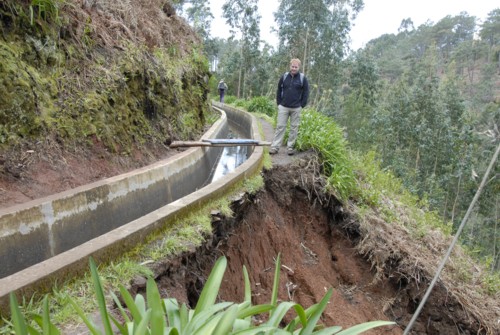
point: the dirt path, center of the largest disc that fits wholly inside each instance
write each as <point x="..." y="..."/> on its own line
<point x="281" y="158"/>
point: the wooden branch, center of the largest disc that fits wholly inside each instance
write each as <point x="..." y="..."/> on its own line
<point x="218" y="143"/>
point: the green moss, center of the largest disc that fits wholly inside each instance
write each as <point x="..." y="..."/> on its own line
<point x="76" y="92"/>
<point x="27" y="99"/>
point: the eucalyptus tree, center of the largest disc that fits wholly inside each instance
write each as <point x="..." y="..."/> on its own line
<point x="450" y="31"/>
<point x="264" y="78"/>
<point x="243" y="18"/>
<point x="469" y="57"/>
<point x="200" y="16"/>
<point x="489" y="45"/>
<point x="317" y="32"/>
<point x="230" y="63"/>
<point x="359" y="99"/>
<point x="436" y="119"/>
<point x="390" y="53"/>
<point x="418" y="126"/>
<point x="406" y="25"/>
<point x="490" y="34"/>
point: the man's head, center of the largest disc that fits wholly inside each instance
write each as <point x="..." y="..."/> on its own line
<point x="294" y="66"/>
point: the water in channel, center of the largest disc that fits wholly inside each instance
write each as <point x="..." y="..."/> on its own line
<point x="231" y="158"/>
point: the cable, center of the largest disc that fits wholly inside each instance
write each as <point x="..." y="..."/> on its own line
<point x="452" y="245"/>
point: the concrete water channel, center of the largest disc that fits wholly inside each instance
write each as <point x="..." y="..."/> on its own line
<point x="50" y="239"/>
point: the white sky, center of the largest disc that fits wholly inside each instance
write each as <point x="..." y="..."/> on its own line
<point x="377" y="18"/>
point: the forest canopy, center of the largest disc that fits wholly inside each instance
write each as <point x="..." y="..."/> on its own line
<point x="426" y="100"/>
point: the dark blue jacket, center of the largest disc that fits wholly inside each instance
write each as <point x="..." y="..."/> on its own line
<point x="291" y="92"/>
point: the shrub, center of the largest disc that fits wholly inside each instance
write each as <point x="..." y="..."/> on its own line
<point x="229" y="99"/>
<point x="155" y="315"/>
<point x="262" y="105"/>
<point x="241" y="103"/>
<point x="322" y="134"/>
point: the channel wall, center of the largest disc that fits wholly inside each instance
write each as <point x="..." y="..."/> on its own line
<point x="51" y="239"/>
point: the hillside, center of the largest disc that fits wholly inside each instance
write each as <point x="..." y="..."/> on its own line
<point x="94" y="89"/>
<point x="91" y="89"/>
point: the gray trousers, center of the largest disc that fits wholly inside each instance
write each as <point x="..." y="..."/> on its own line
<point x="283" y="114"/>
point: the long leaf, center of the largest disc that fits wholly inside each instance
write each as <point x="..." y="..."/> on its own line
<point x="142" y="327"/>
<point x="130" y="328"/>
<point x="254" y="310"/>
<point x="208" y="325"/>
<point x="328" y="331"/>
<point x="45" y="316"/>
<point x="256" y="330"/>
<point x="122" y="328"/>
<point x="173" y="313"/>
<point x="279" y="313"/>
<point x="313" y="319"/>
<point x="211" y="289"/>
<point x="155" y="303"/>
<point x="122" y="310"/>
<point x="157" y="322"/>
<point x="244" y="305"/>
<point x="242" y="324"/>
<point x="133" y="308"/>
<point x="90" y="325"/>
<point x="52" y="329"/>
<point x="274" y="294"/>
<point x="225" y="324"/>
<point x="48" y="328"/>
<point x="101" y="300"/>
<point x="18" y="320"/>
<point x="301" y="314"/>
<point x="140" y="302"/>
<point x="358" y="329"/>
<point x="205" y="316"/>
<point x="248" y="289"/>
<point x="184" y="317"/>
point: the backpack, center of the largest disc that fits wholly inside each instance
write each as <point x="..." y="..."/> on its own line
<point x="301" y="78"/>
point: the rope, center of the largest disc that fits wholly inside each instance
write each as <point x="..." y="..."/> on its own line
<point x="455" y="239"/>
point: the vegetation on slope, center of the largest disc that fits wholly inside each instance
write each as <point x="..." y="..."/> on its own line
<point x="101" y="72"/>
<point x="425" y="100"/>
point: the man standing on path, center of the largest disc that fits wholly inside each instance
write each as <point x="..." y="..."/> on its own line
<point x="222" y="90"/>
<point x="291" y="97"/>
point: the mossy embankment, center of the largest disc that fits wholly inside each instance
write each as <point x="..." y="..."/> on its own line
<point x="98" y="74"/>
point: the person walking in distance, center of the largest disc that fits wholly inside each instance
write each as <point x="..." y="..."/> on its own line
<point x="222" y="90"/>
<point x="291" y="97"/>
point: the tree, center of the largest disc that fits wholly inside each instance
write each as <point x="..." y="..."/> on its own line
<point x="316" y="31"/>
<point x="406" y="25"/>
<point x="200" y="16"/>
<point x="242" y="16"/>
<point x="449" y="32"/>
<point x="490" y="34"/>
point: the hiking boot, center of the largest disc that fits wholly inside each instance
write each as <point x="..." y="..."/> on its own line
<point x="290" y="152"/>
<point x="273" y="151"/>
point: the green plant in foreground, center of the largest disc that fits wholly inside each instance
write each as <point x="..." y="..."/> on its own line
<point x="153" y="315"/>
